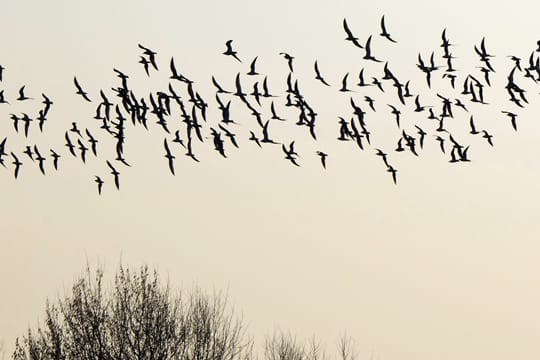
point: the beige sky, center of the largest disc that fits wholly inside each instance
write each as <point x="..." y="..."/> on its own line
<point x="442" y="266"/>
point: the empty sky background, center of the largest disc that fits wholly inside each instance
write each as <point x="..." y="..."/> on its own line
<point x="442" y="266"/>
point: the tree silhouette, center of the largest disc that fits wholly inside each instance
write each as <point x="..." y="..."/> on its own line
<point x="283" y="346"/>
<point x="139" y="318"/>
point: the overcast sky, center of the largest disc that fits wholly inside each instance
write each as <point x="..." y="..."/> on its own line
<point x="442" y="266"/>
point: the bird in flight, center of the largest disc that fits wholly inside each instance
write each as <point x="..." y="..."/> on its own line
<point x="512" y="117"/>
<point x="323" y="157"/>
<point x="289" y="59"/>
<point x="318" y="74"/>
<point x="384" y="33"/>
<point x="22" y="96"/>
<point x="290" y="153"/>
<point x="169" y="156"/>
<point x="252" y="70"/>
<point x="350" y="37"/>
<point x="2" y="151"/>
<point x="55" y="157"/>
<point x="26" y="119"/>
<point x="17" y="164"/>
<point x="177" y="76"/>
<point x="254" y="138"/>
<point x="92" y="141"/>
<point x="83" y="150"/>
<point x="80" y="90"/>
<point x="230" y="52"/>
<point x="2" y="98"/>
<point x="344" y="87"/>
<point x="483" y="54"/>
<point x="488" y="137"/>
<point x="115" y="173"/>
<point x="393" y="171"/>
<point x="473" y="127"/>
<point x="40" y="159"/>
<point x="218" y="86"/>
<point x="70" y="145"/>
<point x="99" y="184"/>
<point x="368" y="55"/>
<point x="151" y="56"/>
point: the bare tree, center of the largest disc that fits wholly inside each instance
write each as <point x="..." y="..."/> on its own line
<point x="215" y="333"/>
<point x="283" y="346"/>
<point x="346" y="348"/>
<point x="146" y="321"/>
<point x="315" y="350"/>
<point x="138" y="319"/>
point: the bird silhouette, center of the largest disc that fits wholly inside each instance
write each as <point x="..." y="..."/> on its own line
<point x="40" y="159"/>
<point x="488" y="137"/>
<point x="441" y="143"/>
<point x="175" y="75"/>
<point x="384" y="33"/>
<point x="323" y="157"/>
<point x="151" y="55"/>
<point x="367" y="48"/>
<point x="396" y="113"/>
<point x="22" y="96"/>
<point x="275" y="116"/>
<point x="93" y="142"/>
<point x="512" y="117"/>
<point x="383" y="155"/>
<point x="290" y="153"/>
<point x="28" y="151"/>
<point x="483" y="54"/>
<point x="318" y="74"/>
<point x="266" y="138"/>
<point x="83" y="149"/>
<point x="75" y="129"/>
<point x="230" y="52"/>
<point x="252" y="70"/>
<point x="99" y="184"/>
<point x="2" y="98"/>
<point x="370" y="101"/>
<point x="146" y="64"/>
<point x="230" y="135"/>
<point x="70" y="145"/>
<point x="177" y="138"/>
<point x="344" y="84"/>
<point x="350" y="37"/>
<point x="254" y="138"/>
<point x="55" y="157"/>
<point x="115" y="173"/>
<point x="362" y="82"/>
<point x="473" y="127"/>
<point x="377" y="83"/>
<point x="169" y="156"/>
<point x="17" y="164"/>
<point x="266" y="92"/>
<point x="3" y="151"/>
<point x="27" y="120"/>
<point x="289" y="59"/>
<point x="41" y="119"/>
<point x="80" y="90"/>
<point x="393" y="171"/>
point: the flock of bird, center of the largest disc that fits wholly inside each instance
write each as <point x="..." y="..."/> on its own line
<point x="115" y="111"/>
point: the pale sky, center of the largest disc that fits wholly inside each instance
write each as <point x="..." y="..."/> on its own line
<point x="442" y="266"/>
